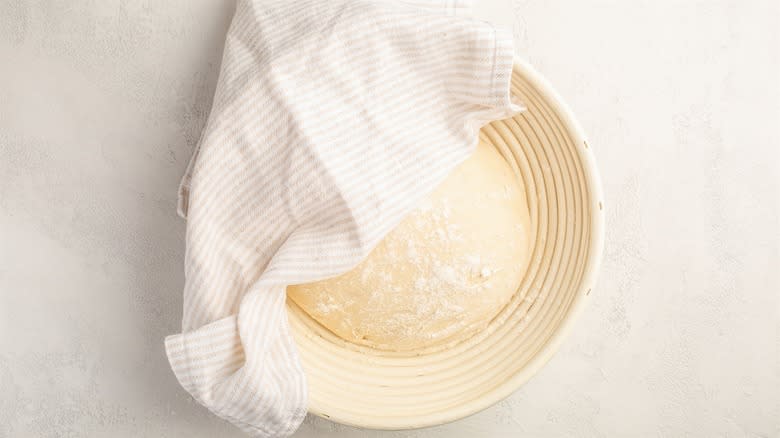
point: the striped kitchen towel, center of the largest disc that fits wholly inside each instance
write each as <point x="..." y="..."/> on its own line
<point x="330" y="121"/>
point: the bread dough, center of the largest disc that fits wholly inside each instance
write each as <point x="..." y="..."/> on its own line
<point x="443" y="273"/>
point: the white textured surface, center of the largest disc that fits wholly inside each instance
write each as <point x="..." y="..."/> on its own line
<point x="101" y="103"/>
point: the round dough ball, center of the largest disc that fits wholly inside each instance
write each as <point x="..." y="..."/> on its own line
<point x="440" y="276"/>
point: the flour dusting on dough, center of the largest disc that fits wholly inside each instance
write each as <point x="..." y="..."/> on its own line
<point x="443" y="273"/>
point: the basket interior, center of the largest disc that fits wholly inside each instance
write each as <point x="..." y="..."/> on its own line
<point x="369" y="388"/>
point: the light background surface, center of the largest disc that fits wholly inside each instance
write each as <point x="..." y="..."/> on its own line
<point x="101" y="103"/>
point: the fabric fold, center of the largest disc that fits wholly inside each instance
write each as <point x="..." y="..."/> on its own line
<point x="331" y="120"/>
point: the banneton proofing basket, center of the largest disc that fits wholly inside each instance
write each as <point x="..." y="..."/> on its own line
<point x="369" y="388"/>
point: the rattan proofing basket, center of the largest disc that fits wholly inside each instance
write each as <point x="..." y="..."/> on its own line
<point x="373" y="389"/>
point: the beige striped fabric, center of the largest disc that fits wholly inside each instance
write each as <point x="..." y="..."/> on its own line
<point x="331" y="119"/>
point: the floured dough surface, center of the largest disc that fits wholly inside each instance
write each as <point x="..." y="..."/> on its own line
<point x="442" y="274"/>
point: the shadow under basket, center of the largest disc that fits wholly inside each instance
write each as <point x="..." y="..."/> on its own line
<point x="363" y="387"/>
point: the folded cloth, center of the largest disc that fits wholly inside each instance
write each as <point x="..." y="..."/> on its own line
<point x="330" y="121"/>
